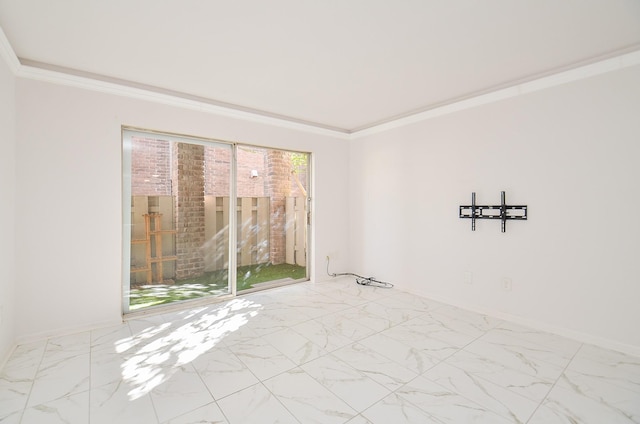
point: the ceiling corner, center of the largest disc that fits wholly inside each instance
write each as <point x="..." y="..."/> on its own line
<point x="8" y="54"/>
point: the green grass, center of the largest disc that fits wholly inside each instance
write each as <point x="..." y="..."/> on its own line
<point x="211" y="283"/>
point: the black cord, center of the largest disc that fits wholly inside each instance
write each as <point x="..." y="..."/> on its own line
<point x="363" y="281"/>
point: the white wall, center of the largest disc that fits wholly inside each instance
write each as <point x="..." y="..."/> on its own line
<point x="571" y="153"/>
<point x="69" y="197"/>
<point x="7" y="211"/>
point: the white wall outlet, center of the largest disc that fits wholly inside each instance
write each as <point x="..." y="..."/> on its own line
<point x="506" y="284"/>
<point x="468" y="277"/>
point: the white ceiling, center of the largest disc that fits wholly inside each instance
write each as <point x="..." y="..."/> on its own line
<point x="340" y="64"/>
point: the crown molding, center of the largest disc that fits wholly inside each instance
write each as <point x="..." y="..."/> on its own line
<point x="7" y="53"/>
<point x="122" y="90"/>
<point x="37" y="73"/>
<point x="40" y="72"/>
<point x="586" y="71"/>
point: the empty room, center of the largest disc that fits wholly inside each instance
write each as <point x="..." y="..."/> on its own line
<point x="357" y="211"/>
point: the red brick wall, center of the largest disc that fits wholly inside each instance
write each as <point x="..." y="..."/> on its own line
<point x="251" y="159"/>
<point x="217" y="169"/>
<point x="188" y="172"/>
<point x="278" y="187"/>
<point x="151" y="170"/>
<point x="188" y="191"/>
<point x="150" y="167"/>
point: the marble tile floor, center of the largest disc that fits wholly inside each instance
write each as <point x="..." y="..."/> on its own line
<point x="331" y="352"/>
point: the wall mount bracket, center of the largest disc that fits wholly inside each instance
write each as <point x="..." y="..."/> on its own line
<point x="503" y="212"/>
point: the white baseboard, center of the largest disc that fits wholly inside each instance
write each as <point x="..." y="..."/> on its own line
<point x="540" y="326"/>
<point x="4" y="357"/>
<point x="561" y="331"/>
<point x="35" y="337"/>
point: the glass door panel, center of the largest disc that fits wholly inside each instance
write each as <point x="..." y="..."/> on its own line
<point x="272" y="206"/>
<point x="177" y="204"/>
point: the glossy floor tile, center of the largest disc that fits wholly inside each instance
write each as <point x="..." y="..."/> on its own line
<point x="332" y="352"/>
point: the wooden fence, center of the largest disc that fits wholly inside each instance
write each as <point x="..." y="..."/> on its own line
<point x="149" y="246"/>
<point x="296" y="231"/>
<point x="254" y="229"/>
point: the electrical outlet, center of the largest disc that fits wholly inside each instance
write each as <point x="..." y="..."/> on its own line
<point x="468" y="277"/>
<point x="506" y="284"/>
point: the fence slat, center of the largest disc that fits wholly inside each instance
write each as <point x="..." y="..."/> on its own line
<point x="139" y="207"/>
<point x="301" y="231"/>
<point x="165" y="206"/>
<point x="246" y="240"/>
<point x="254" y="222"/>
<point x="262" y="253"/>
<point x="290" y="231"/>
<point x="210" y="248"/>
<point x="224" y="231"/>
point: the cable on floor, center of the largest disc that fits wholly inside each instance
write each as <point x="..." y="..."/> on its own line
<point x="363" y="281"/>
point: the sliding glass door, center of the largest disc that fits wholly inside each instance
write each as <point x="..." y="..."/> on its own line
<point x="177" y="215"/>
<point x="272" y="217"/>
<point x="209" y="218"/>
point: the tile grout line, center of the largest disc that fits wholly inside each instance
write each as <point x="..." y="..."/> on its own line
<point x="326" y="353"/>
<point x="539" y="403"/>
<point x="444" y="387"/>
<point x="299" y="366"/>
<point x="277" y="398"/>
<point x="340" y="397"/>
<point x="209" y="391"/>
<point x="555" y="382"/>
<point x="390" y="392"/>
<point x="90" y="376"/>
<point x="33" y="383"/>
<point x="133" y="336"/>
<point x="153" y="405"/>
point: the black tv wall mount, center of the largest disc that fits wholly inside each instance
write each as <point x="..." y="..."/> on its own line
<point x="503" y="212"/>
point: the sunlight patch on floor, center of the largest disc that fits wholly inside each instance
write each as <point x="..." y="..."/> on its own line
<point x="164" y="348"/>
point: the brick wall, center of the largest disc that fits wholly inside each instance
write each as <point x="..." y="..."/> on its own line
<point x="188" y="172"/>
<point x="251" y="159"/>
<point x="217" y="169"/>
<point x="150" y="167"/>
<point x="151" y="170"/>
<point x="278" y="187"/>
<point x="188" y="192"/>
